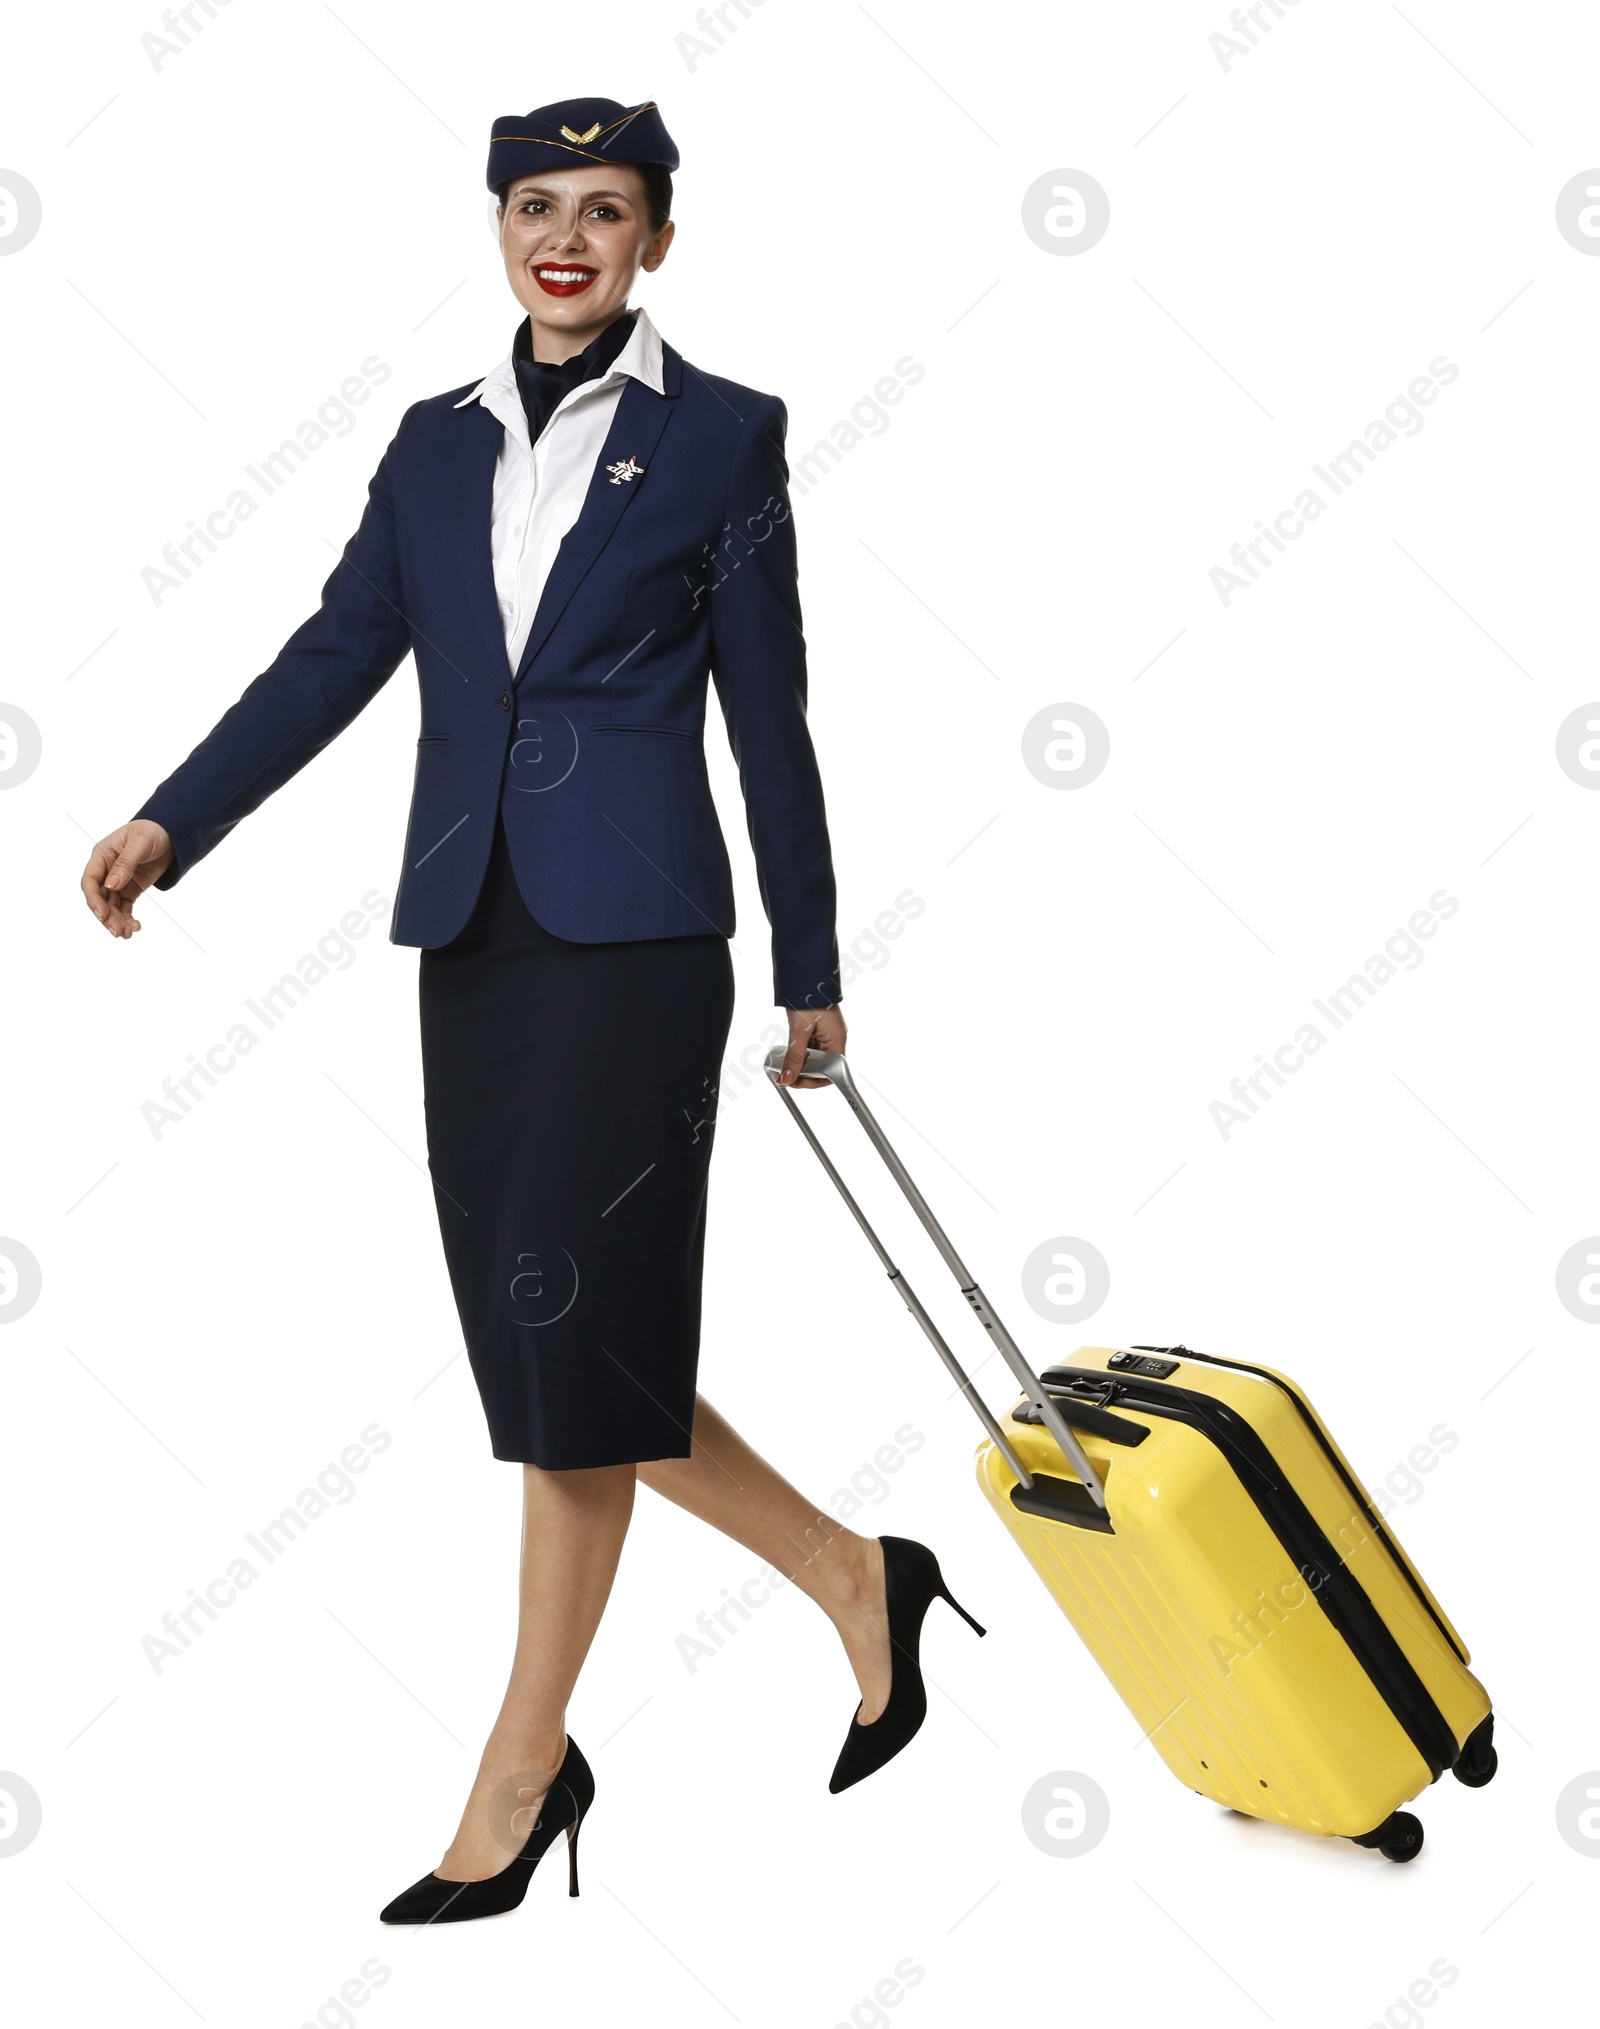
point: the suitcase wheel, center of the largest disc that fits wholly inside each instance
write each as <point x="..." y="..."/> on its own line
<point x="1399" y="1837"/>
<point x="1405" y="1837"/>
<point x="1476" y="1774"/>
<point x="1477" y="1761"/>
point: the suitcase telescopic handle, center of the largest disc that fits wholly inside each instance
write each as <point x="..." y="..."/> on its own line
<point x="829" y="1064"/>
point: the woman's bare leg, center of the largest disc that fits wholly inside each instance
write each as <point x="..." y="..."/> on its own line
<point x="733" y="1488"/>
<point x="573" y="1525"/>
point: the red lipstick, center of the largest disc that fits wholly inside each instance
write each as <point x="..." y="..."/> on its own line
<point x="564" y="278"/>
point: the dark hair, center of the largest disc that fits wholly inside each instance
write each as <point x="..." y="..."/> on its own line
<point x="657" y="191"/>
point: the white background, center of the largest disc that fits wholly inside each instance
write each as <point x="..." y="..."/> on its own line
<point x="1293" y="239"/>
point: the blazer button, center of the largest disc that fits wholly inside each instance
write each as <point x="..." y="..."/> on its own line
<point x="505" y="700"/>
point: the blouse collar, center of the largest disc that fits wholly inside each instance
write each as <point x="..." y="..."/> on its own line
<point x="640" y="359"/>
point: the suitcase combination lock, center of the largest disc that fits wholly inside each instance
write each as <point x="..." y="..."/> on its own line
<point x="1143" y="1361"/>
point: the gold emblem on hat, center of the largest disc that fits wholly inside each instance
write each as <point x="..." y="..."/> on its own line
<point x="567" y="134"/>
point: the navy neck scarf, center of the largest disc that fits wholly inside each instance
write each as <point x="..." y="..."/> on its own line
<point x="543" y="383"/>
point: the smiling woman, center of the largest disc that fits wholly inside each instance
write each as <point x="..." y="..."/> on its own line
<point x="540" y="541"/>
<point x="614" y="210"/>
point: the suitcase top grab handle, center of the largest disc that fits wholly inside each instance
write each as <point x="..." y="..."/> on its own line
<point x="830" y="1064"/>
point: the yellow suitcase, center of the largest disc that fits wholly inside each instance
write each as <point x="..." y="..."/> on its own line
<point x="1198" y="1525"/>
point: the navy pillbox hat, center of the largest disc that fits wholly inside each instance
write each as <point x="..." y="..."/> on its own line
<point x="577" y="130"/>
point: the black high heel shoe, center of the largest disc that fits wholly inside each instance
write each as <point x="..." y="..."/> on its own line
<point x="912" y="1581"/>
<point x="566" y="1805"/>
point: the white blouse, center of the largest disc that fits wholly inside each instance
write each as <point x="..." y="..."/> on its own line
<point x="539" y="489"/>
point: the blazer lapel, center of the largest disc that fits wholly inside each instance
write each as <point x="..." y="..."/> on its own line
<point x="636" y="429"/>
<point x="474" y="515"/>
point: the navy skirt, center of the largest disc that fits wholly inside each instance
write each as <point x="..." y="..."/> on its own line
<point x="571" y="1093"/>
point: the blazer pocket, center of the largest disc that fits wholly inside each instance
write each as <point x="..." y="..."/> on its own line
<point x="659" y="732"/>
<point x="431" y="739"/>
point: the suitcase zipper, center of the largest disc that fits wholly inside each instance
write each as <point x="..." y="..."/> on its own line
<point x="1337" y="1591"/>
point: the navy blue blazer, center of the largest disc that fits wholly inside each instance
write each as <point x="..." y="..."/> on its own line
<point x="593" y="747"/>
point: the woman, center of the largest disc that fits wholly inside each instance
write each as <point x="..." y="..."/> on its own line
<point x="569" y="549"/>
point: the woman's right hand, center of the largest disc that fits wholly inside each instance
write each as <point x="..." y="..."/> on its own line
<point x="121" y="867"/>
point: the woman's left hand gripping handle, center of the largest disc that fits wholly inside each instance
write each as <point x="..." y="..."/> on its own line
<point x="811" y="1029"/>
